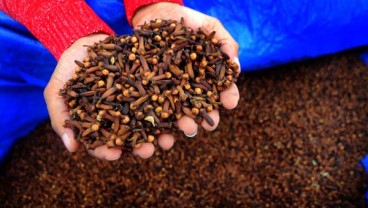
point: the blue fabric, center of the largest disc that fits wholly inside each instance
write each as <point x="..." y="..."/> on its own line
<point x="364" y="56"/>
<point x="272" y="32"/>
<point x="364" y="162"/>
<point x="25" y="68"/>
<point x="269" y="32"/>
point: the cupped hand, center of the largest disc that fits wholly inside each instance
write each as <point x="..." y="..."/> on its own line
<point x="65" y="68"/>
<point x="195" y="20"/>
<point x="59" y="113"/>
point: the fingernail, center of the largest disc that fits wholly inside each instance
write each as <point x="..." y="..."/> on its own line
<point x="236" y="60"/>
<point x="191" y="135"/>
<point x="111" y="156"/>
<point x="66" y="141"/>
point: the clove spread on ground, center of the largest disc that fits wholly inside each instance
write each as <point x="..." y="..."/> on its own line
<point x="131" y="88"/>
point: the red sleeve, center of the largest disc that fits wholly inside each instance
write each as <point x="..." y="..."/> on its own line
<point x="55" y="23"/>
<point x="131" y="6"/>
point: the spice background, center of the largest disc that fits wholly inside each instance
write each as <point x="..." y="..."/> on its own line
<point x="295" y="139"/>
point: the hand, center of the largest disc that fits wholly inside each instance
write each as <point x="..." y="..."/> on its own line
<point x="65" y="68"/>
<point x="195" y="20"/>
<point x="59" y="113"/>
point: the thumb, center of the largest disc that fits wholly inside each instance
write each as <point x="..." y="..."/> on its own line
<point x="58" y="114"/>
<point x="228" y="44"/>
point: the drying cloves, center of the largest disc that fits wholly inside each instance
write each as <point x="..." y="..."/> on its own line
<point x="129" y="89"/>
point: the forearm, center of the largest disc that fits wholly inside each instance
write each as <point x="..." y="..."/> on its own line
<point x="56" y="24"/>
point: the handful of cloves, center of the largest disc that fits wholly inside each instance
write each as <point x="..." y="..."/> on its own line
<point x="130" y="89"/>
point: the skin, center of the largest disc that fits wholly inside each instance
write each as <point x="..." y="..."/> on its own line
<point x="65" y="68"/>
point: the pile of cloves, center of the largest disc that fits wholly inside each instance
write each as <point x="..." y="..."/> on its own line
<point x="130" y="89"/>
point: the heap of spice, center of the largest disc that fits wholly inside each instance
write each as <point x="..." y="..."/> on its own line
<point x="130" y="89"/>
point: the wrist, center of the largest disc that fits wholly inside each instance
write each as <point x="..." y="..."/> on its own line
<point x="154" y="11"/>
<point x="79" y="45"/>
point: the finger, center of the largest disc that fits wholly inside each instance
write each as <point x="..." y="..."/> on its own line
<point x="58" y="114"/>
<point x="145" y="151"/>
<point x="216" y="119"/>
<point x="166" y="141"/>
<point x="230" y="97"/>
<point x="103" y="152"/>
<point x="188" y="126"/>
<point x="236" y="60"/>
